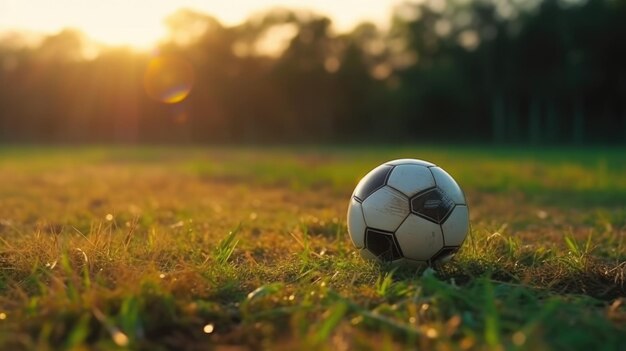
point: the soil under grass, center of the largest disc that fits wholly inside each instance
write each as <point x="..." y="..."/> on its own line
<point x="246" y="248"/>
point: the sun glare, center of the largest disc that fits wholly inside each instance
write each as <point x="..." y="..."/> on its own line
<point x="107" y="22"/>
<point x="139" y="28"/>
<point x="137" y="36"/>
<point x="140" y="23"/>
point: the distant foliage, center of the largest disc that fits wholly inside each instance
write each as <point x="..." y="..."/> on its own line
<point x="508" y="71"/>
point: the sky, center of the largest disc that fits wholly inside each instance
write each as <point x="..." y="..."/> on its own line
<point x="139" y="23"/>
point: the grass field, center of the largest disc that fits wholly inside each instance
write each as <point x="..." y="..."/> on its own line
<point x="161" y="248"/>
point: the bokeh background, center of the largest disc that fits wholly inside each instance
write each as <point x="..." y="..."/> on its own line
<point x="530" y="72"/>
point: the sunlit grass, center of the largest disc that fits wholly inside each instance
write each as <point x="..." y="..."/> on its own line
<point x="150" y="248"/>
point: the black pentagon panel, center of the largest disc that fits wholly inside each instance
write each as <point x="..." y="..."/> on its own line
<point x="445" y="252"/>
<point x="433" y="205"/>
<point x="382" y="244"/>
<point x="375" y="180"/>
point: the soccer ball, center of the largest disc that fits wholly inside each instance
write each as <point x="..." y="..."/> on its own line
<point x="408" y="211"/>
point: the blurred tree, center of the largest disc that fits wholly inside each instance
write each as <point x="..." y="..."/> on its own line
<point x="506" y="71"/>
<point x="304" y="82"/>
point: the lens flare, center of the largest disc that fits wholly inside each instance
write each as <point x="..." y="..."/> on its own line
<point x="168" y="79"/>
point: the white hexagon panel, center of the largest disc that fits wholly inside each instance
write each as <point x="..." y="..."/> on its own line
<point x="411" y="179"/>
<point x="356" y="224"/>
<point x="419" y="238"/>
<point x="449" y="186"/>
<point x="456" y="226"/>
<point x="385" y="209"/>
<point x="410" y="161"/>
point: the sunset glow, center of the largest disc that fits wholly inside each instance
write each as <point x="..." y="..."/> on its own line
<point x="140" y="23"/>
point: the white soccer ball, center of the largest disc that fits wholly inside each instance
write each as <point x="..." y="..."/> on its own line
<point x="408" y="211"/>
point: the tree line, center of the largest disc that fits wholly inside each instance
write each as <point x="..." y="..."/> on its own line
<point x="505" y="71"/>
